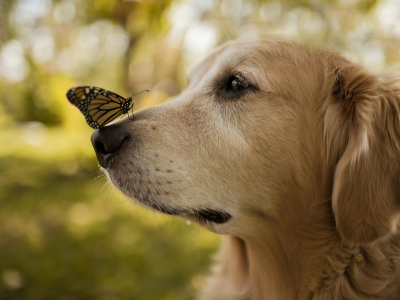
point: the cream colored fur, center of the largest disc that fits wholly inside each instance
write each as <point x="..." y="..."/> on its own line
<point x="307" y="165"/>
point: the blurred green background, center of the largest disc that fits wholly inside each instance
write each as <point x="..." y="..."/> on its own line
<point x="65" y="233"/>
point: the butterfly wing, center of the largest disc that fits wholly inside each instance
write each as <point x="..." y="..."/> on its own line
<point x="99" y="106"/>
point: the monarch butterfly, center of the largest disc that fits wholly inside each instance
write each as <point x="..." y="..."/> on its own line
<point x="99" y="106"/>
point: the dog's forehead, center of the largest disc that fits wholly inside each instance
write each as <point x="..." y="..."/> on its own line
<point x="227" y="54"/>
<point x="241" y="55"/>
<point x="199" y="70"/>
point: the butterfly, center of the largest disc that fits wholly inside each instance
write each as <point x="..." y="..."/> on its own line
<point x="99" y="106"/>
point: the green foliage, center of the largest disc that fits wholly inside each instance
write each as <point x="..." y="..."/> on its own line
<point x="65" y="241"/>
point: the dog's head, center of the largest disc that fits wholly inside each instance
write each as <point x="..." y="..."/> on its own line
<point x="259" y="131"/>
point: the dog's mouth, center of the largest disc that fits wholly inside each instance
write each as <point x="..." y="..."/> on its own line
<point x="201" y="215"/>
<point x="145" y="196"/>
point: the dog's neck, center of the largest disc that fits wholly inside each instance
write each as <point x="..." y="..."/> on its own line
<point x="303" y="260"/>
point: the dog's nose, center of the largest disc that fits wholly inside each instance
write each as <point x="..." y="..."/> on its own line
<point x="107" y="141"/>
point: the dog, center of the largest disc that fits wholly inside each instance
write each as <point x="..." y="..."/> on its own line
<point x="289" y="151"/>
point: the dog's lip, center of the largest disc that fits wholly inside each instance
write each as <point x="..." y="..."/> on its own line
<point x="200" y="215"/>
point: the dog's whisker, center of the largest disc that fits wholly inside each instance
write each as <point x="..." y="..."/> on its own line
<point x="225" y="32"/>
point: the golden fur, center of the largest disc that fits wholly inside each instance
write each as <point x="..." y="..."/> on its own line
<point x="307" y="165"/>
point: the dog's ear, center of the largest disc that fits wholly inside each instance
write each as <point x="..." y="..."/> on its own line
<point x="362" y="132"/>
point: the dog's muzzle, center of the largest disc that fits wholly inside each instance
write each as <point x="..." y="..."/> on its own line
<point x="107" y="142"/>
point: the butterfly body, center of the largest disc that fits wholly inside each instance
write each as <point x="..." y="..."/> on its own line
<point x="99" y="106"/>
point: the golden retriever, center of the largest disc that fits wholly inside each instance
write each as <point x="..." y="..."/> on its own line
<point x="291" y="152"/>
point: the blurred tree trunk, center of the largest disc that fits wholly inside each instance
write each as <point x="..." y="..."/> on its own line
<point x="123" y="12"/>
<point x="5" y="32"/>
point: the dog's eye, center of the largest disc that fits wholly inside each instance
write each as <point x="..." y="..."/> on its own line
<point x="234" y="87"/>
<point x="236" y="84"/>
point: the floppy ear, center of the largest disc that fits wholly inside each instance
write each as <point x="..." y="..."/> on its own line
<point x="362" y="132"/>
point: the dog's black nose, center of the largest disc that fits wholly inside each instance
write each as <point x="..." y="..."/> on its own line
<point x="107" y="141"/>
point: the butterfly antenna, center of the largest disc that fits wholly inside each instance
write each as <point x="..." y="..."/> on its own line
<point x="130" y="96"/>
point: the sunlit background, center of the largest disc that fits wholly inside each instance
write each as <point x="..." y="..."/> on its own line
<point x="64" y="232"/>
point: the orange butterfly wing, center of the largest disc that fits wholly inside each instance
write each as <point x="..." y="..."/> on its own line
<point x="99" y="106"/>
